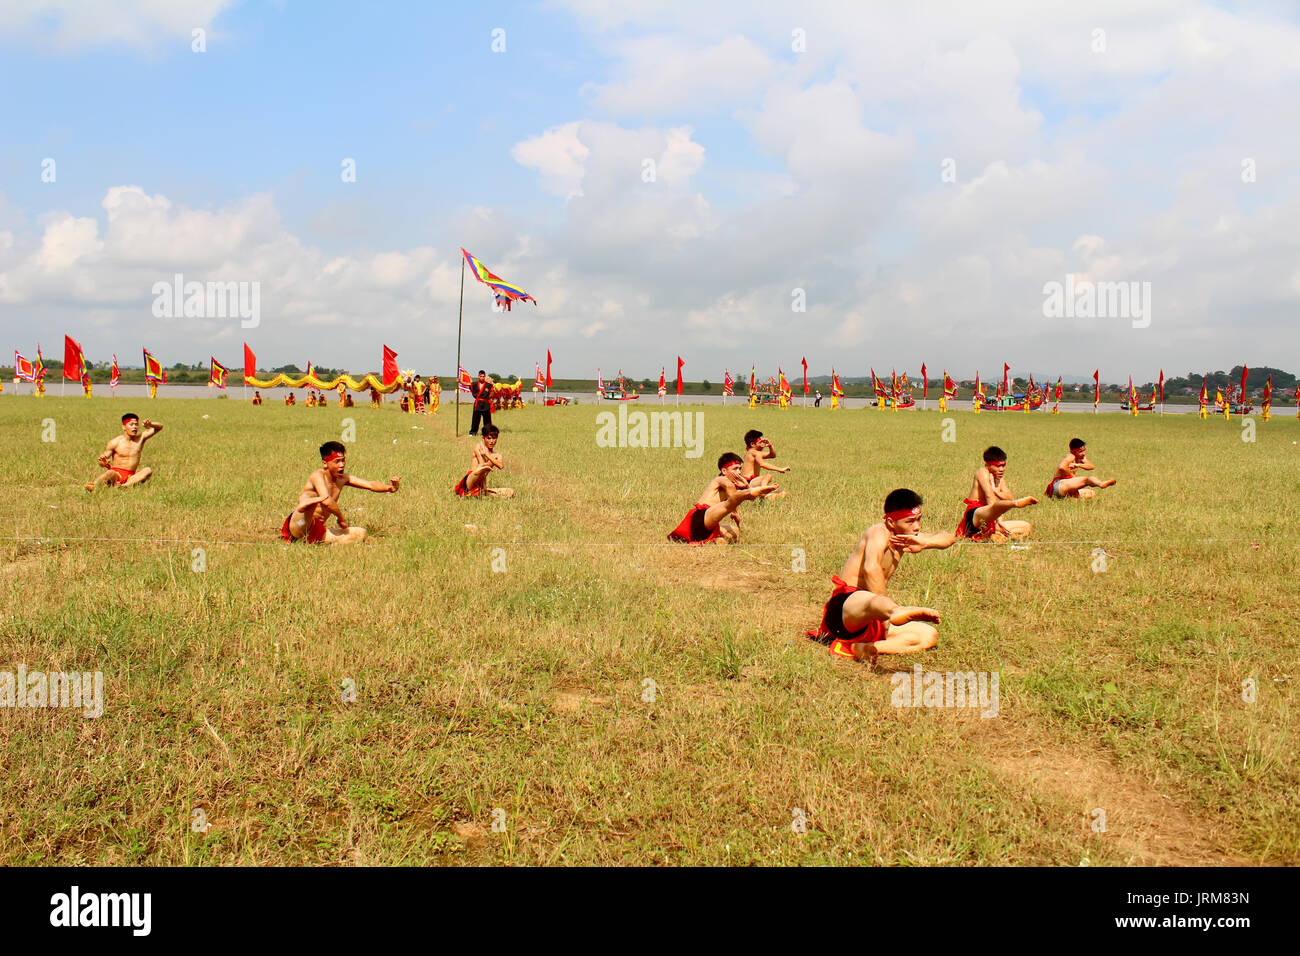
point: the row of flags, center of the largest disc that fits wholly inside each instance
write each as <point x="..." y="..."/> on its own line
<point x="75" y="369"/>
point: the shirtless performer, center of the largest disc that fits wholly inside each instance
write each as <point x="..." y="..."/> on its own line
<point x="122" y="454"/>
<point x="1065" y="484"/>
<point x="319" y="499"/>
<point x="989" y="499"/>
<point x="723" y="496"/>
<point x="757" y="451"/>
<point x="483" y="460"/>
<point x="860" y="620"/>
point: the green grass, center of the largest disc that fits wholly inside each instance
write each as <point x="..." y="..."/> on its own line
<point x="524" y="692"/>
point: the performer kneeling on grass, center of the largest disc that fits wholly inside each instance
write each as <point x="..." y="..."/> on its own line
<point x="723" y="496"/>
<point x="122" y="454"/>
<point x="989" y="499"/>
<point x="1065" y="484"/>
<point x="860" y="620"/>
<point x="482" y="461"/>
<point x="757" y="451"/>
<point x="319" y="499"/>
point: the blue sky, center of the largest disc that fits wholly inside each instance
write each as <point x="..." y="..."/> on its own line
<point x="776" y="169"/>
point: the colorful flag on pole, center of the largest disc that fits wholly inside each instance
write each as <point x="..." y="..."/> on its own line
<point x="1162" y="386"/>
<point x="311" y="369"/>
<point x="24" y="370"/>
<point x="1096" y="388"/>
<point x="663" y="387"/>
<point x="1204" y="396"/>
<point x="1005" y="369"/>
<point x="949" y="386"/>
<point x="505" y="292"/>
<point x="728" y="383"/>
<point x="753" y="379"/>
<point x="153" y="370"/>
<point x="1060" y="389"/>
<point x="217" y="374"/>
<point x="539" y="382"/>
<point x="837" y="390"/>
<point x="40" y="363"/>
<point x="878" y="387"/>
<point x="925" y="383"/>
<point x="600" y="385"/>
<point x="550" y="382"/>
<point x="114" y="376"/>
<point x="250" y="364"/>
<point x="462" y="379"/>
<point x="1266" y="411"/>
<point x="680" y="365"/>
<point x="74" y="360"/>
<point x="1244" y="371"/>
<point x="805" y="375"/>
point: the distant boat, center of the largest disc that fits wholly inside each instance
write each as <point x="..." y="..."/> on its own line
<point x="1013" y="403"/>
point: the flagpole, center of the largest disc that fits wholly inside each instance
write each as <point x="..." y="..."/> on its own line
<point x="459" y="319"/>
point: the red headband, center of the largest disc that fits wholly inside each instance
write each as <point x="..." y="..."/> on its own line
<point x="902" y="513"/>
<point x="130" y="418"/>
<point x="334" y="454"/>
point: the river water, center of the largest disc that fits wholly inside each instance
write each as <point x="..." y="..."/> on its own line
<point x="650" y="402"/>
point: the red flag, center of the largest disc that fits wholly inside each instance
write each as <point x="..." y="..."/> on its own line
<point x="217" y="374"/>
<point x="1096" y="388"/>
<point x="680" y="366"/>
<point x="1162" y="386"/>
<point x="73" y="360"/>
<point x="250" y="364"/>
<point x="462" y="379"/>
<point x="728" y="383"/>
<point x="390" y="373"/>
<point x="1244" y="370"/>
<point x="1005" y="369"/>
<point x="114" y="376"/>
<point x="925" y="383"/>
<point x="153" y="370"/>
<point x="662" y="387"/>
<point x="24" y="370"/>
<point x="549" y="381"/>
<point x="805" y="376"/>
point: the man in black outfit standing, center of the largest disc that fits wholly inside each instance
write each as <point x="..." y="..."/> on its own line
<point x="482" y="392"/>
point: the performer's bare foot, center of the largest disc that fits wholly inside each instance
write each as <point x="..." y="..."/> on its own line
<point x="904" y="613"/>
<point x="1026" y="501"/>
<point x="1107" y="483"/>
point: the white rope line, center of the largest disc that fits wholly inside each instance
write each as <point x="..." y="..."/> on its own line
<point x="642" y="544"/>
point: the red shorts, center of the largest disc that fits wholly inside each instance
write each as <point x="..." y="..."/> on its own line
<point x="122" y="474"/>
<point x="463" y="489"/>
<point x="315" y="534"/>
<point x="1051" y="486"/>
<point x="832" y="630"/>
<point x="693" y="530"/>
<point x="966" y="526"/>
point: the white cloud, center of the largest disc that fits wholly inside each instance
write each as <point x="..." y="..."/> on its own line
<point x="75" y="24"/>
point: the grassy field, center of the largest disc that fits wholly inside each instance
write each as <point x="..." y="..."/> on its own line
<point x="506" y="717"/>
